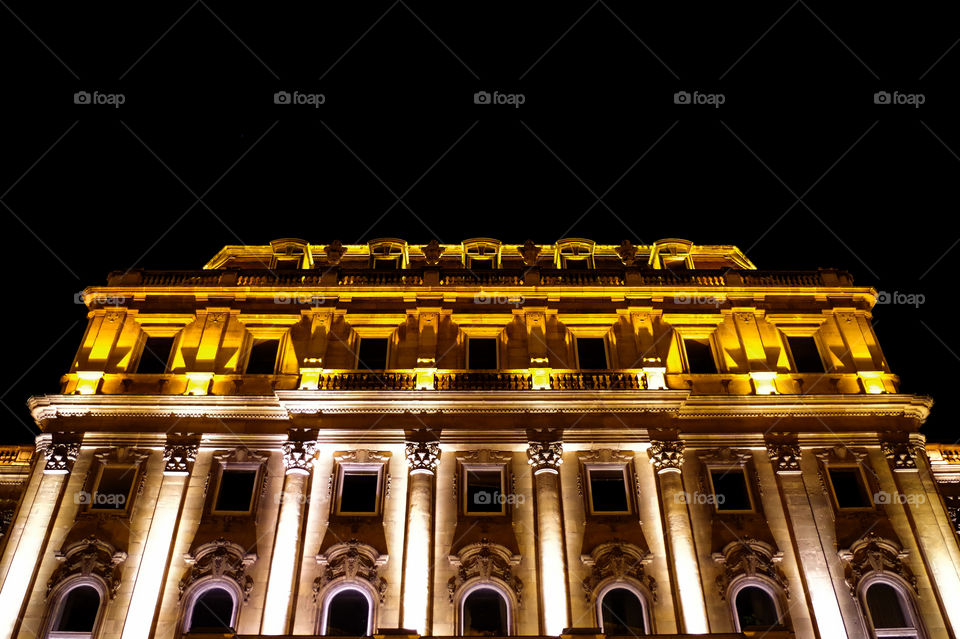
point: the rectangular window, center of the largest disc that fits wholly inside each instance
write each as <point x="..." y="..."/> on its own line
<point x="730" y="489"/>
<point x="480" y="265"/>
<point x="235" y="493"/>
<point x="388" y="264"/>
<point x="592" y="353"/>
<point x="806" y="355"/>
<point x="263" y="357"/>
<point x="372" y="354"/>
<point x="359" y="490"/>
<point x="700" y="357"/>
<point x="484" y="491"/>
<point x="608" y="490"/>
<point x="113" y="488"/>
<point x="288" y="263"/>
<point x="482" y="353"/>
<point x="849" y="489"/>
<point x="155" y="355"/>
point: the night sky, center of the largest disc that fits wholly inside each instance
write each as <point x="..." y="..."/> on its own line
<point x="798" y="166"/>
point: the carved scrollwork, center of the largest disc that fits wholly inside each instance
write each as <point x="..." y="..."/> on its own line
<point x="351" y="561"/>
<point x="485" y="562"/>
<point x="58" y="456"/>
<point x="423" y="457"/>
<point x="902" y="455"/>
<point x="545" y="456"/>
<point x="785" y="457"/>
<point x="220" y="559"/>
<point x="617" y="561"/>
<point x="875" y="554"/>
<point x="749" y="558"/>
<point x="89" y="557"/>
<point x="178" y="457"/>
<point x="298" y="456"/>
<point x="666" y="456"/>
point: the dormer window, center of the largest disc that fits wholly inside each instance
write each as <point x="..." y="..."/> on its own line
<point x="671" y="255"/>
<point x="481" y="254"/>
<point x="387" y="255"/>
<point x="575" y="253"/>
<point x="290" y="254"/>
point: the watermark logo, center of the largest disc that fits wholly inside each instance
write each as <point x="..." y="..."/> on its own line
<point x="98" y="98"/>
<point x="903" y="299"/>
<point x="511" y="99"/>
<point x="496" y="298"/>
<point x="883" y="498"/>
<point x="700" y="499"/>
<point x="483" y="498"/>
<point x="696" y="97"/>
<point x="298" y="98"/>
<point x="298" y="298"/>
<point x="696" y="298"/>
<point x="112" y="500"/>
<point x="896" y="97"/>
<point x="99" y="298"/>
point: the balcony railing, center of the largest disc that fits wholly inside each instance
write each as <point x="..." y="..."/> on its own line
<point x="368" y="381"/>
<point x="596" y="380"/>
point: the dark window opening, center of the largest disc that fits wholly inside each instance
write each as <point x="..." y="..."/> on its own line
<point x="848" y="488"/>
<point x="212" y="611"/>
<point x="674" y="263"/>
<point x="608" y="490"/>
<point x="113" y="489"/>
<point x="806" y="356"/>
<point x="358" y="494"/>
<point x="288" y="262"/>
<point x="485" y="614"/>
<point x="885" y="608"/>
<point x="236" y="490"/>
<point x="79" y="611"/>
<point x="484" y="491"/>
<point x="155" y="355"/>
<point x="700" y="357"/>
<point x="756" y="609"/>
<point x="481" y="265"/>
<point x="388" y="264"/>
<point x="622" y="613"/>
<point x="592" y="353"/>
<point x="263" y="357"/>
<point x="730" y="489"/>
<point x="482" y="353"/>
<point x="372" y="354"/>
<point x="348" y="614"/>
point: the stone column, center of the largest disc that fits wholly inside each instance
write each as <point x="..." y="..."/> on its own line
<point x="545" y="458"/>
<point x="422" y="459"/>
<point x="667" y="460"/>
<point x="30" y="531"/>
<point x="298" y="457"/>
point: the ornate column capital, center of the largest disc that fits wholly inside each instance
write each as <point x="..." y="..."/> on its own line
<point x="545" y="457"/>
<point x="785" y="457"/>
<point x="666" y="456"/>
<point x="58" y="456"/>
<point x="298" y="456"/>
<point x="902" y="455"/>
<point x="423" y="457"/>
<point x="178" y="457"/>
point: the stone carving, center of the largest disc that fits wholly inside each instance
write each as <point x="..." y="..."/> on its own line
<point x="785" y="457"/>
<point x="432" y="252"/>
<point x="422" y="457"/>
<point x="351" y="561"/>
<point x="178" y="458"/>
<point x="873" y="553"/>
<point x="488" y="562"/>
<point x="545" y="456"/>
<point x="666" y="456"/>
<point x="529" y="252"/>
<point x="334" y="251"/>
<point x="627" y="252"/>
<point x="902" y="455"/>
<point x="89" y="557"/>
<point x="220" y="559"/>
<point x="618" y="561"/>
<point x="298" y="456"/>
<point x="749" y="558"/>
<point x="59" y="456"/>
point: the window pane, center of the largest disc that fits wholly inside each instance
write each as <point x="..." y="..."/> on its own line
<point x="886" y="610"/>
<point x="482" y="353"/>
<point x="484" y="614"/>
<point x="481" y="265"/>
<point x="263" y="357"/>
<point x="359" y="492"/>
<point x="236" y="490"/>
<point x="212" y="611"/>
<point x="348" y="614"/>
<point x="79" y="612"/>
<point x="591" y="353"/>
<point x="373" y="353"/>
<point x="806" y="357"/>
<point x="608" y="490"/>
<point x="700" y="357"/>
<point x="756" y="609"/>
<point x="730" y="488"/>
<point x="848" y="487"/>
<point x="622" y="613"/>
<point x="156" y="352"/>
<point x="484" y="491"/>
<point x="386" y="265"/>
<point x="113" y="489"/>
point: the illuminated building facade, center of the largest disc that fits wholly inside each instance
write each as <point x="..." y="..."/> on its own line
<point x="479" y="439"/>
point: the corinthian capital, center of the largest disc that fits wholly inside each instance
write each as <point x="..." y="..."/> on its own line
<point x="785" y="457"/>
<point x="422" y="457"/>
<point x="58" y="456"/>
<point x="298" y="456"/>
<point x="666" y="456"/>
<point x="178" y="457"/>
<point x="545" y="457"/>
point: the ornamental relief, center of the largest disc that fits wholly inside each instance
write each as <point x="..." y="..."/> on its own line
<point x="749" y="558"/>
<point x="220" y="559"/>
<point x="89" y="557"/>
<point x="873" y="553"/>
<point x="485" y="562"/>
<point x="351" y="561"/>
<point x="617" y="561"/>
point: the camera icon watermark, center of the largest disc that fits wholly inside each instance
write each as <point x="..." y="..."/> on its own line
<point x="700" y="499"/>
<point x="903" y="299"/>
<point x="487" y="498"/>
<point x="510" y="99"/>
<point x="101" y="500"/>
<point x="496" y="298"/>
<point x="298" y="98"/>
<point x="697" y="298"/>
<point x="284" y="297"/>
<point x="698" y="98"/>
<point x="99" y="298"/>
<point x="896" y="97"/>
<point x="97" y="98"/>
<point x="882" y="498"/>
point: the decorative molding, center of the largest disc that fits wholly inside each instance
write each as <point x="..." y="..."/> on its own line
<point x="749" y="559"/>
<point x="627" y="253"/>
<point x="785" y="458"/>
<point x="529" y="252"/>
<point x="432" y="252"/>
<point x="606" y="456"/>
<point x="616" y="561"/>
<point x="726" y="455"/>
<point x="219" y="559"/>
<point x="545" y="457"/>
<point x="875" y="554"/>
<point x="485" y="456"/>
<point x="178" y="457"/>
<point x="485" y="562"/>
<point x="298" y="456"/>
<point x="840" y="454"/>
<point x="59" y="456"/>
<point x="422" y="457"/>
<point x="89" y="557"/>
<point x="666" y="456"/>
<point x="351" y="561"/>
<point x="361" y="456"/>
<point x="902" y="455"/>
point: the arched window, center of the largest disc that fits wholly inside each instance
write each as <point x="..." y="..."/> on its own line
<point x="76" y="613"/>
<point x="756" y="609"/>
<point x="212" y="609"/>
<point x="622" y="612"/>
<point x="890" y="613"/>
<point x="484" y="613"/>
<point x="347" y="614"/>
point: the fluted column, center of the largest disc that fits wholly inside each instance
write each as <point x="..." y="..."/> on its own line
<point x="422" y="459"/>
<point x="667" y="460"/>
<point x="545" y="459"/>
<point x="298" y="458"/>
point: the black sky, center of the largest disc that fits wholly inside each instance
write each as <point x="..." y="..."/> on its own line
<point x="799" y="167"/>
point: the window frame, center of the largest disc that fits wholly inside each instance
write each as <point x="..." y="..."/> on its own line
<point x="56" y="608"/>
<point x="201" y="587"/>
<point x="711" y="344"/>
<point x="637" y="592"/>
<point x="606" y="351"/>
<point x="174" y="345"/>
<point x="328" y="599"/>
<point x="103" y="465"/>
<point x="484" y="585"/>
<point x="789" y="349"/>
<point x="496" y="341"/>
<point x="864" y="483"/>
<point x="762" y="585"/>
<point x="624" y="468"/>
<point x="277" y="358"/>
<point x="363" y="467"/>
<point x="742" y="469"/>
<point x="386" y="358"/>
<point x="465" y="467"/>
<point x="907" y="607"/>
<point x="258" y="478"/>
